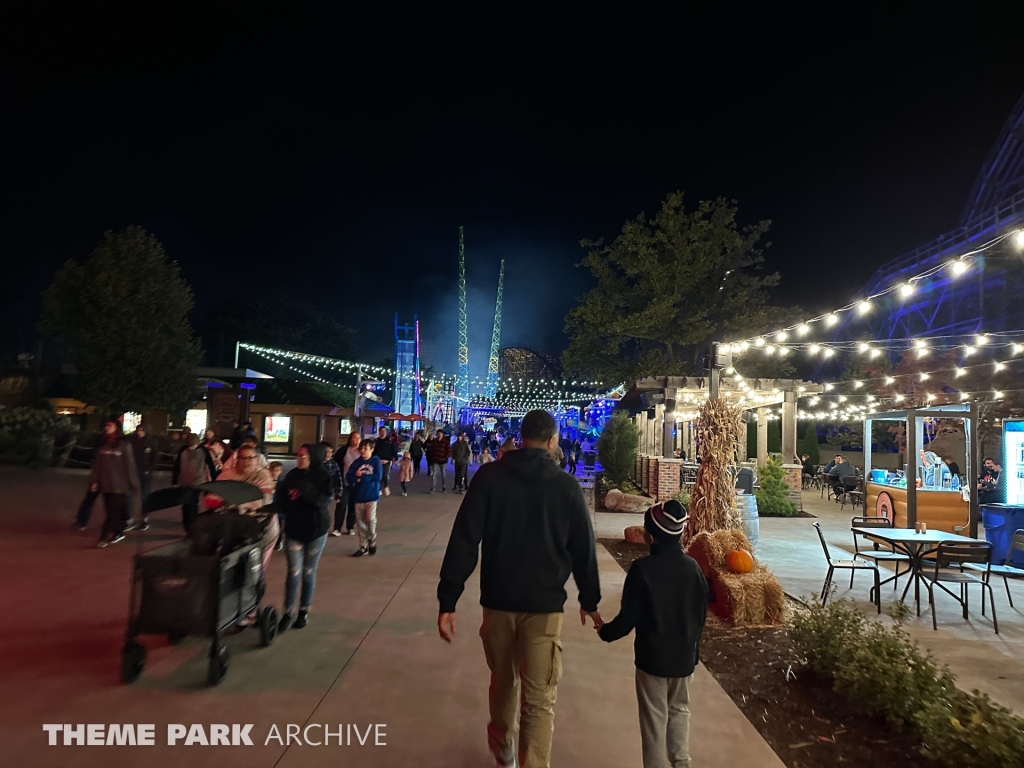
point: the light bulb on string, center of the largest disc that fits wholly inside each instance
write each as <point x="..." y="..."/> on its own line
<point x="998" y="394"/>
<point x="863" y="347"/>
<point x="803" y="329"/>
<point x="1000" y="366"/>
<point x="930" y="397"/>
<point x="964" y="395"/>
<point x="906" y="290"/>
<point x="924" y="377"/>
<point x="960" y="372"/>
<point x="958" y="267"/>
<point x="1019" y="238"/>
<point x="875" y="353"/>
<point x="969" y="350"/>
<point x="1016" y="349"/>
<point x="858" y="384"/>
<point x="981" y="340"/>
<point x="831" y="319"/>
<point x="759" y="341"/>
<point x="781" y="336"/>
<point x="864" y="307"/>
<point x="814" y="349"/>
<point x="828" y="352"/>
<point x="890" y="379"/>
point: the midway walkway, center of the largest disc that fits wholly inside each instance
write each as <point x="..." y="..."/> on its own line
<point x="370" y="654"/>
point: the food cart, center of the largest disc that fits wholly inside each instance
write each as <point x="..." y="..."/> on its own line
<point x="925" y="492"/>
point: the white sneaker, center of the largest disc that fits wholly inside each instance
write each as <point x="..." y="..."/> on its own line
<point x="335" y="533"/>
<point x="501" y="762"/>
<point x="387" y="491"/>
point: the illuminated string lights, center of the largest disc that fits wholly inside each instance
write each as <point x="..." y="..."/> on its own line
<point x="954" y="267"/>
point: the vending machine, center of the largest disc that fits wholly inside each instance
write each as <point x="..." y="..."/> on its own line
<point x="1013" y="461"/>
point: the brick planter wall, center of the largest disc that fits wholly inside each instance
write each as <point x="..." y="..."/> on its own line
<point x="668" y="479"/>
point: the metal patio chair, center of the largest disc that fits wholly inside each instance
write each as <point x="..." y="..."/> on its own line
<point x="853" y="491"/>
<point x="879" y="552"/>
<point x="1004" y="570"/>
<point x="961" y="553"/>
<point x="851" y="565"/>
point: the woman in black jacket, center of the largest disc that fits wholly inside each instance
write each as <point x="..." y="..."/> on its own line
<point x="305" y="493"/>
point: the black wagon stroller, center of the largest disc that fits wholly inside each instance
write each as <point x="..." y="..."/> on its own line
<point x="201" y="585"/>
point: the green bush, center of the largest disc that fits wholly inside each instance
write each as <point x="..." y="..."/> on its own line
<point x="683" y="497"/>
<point x="969" y="729"/>
<point x="773" y="493"/>
<point x="881" y="671"/>
<point x="617" y="447"/>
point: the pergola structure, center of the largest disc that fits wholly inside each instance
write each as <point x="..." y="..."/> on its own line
<point x="671" y="403"/>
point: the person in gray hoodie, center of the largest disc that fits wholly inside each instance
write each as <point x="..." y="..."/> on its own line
<point x="114" y="475"/>
<point x="193" y="467"/>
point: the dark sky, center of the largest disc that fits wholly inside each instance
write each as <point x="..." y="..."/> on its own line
<point x="332" y="159"/>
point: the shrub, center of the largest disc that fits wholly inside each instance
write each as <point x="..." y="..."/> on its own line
<point x="969" y="729"/>
<point x="683" y="497"/>
<point x="773" y="493"/>
<point x="881" y="671"/>
<point x="617" y="447"/>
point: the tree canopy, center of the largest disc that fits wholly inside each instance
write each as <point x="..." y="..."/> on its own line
<point x="667" y="287"/>
<point x="121" y="321"/>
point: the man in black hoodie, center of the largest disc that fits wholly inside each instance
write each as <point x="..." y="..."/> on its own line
<point x="535" y="529"/>
<point x="665" y="598"/>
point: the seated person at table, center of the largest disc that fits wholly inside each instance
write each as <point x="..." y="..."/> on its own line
<point x="842" y="469"/>
<point x="954" y="468"/>
<point x="808" y="468"/>
<point x="988" y="483"/>
<point x="831" y="465"/>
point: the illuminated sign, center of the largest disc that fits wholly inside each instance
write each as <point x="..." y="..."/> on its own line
<point x="277" y="429"/>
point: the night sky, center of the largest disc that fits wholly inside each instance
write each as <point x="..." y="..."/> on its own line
<point x="332" y="159"/>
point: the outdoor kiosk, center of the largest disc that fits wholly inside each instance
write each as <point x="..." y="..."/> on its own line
<point x="925" y="494"/>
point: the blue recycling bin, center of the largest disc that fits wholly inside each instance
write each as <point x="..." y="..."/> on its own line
<point x="1001" y="521"/>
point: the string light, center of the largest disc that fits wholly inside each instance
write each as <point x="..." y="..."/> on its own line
<point x="981" y="340"/>
<point x="1000" y="366"/>
<point x="803" y="329"/>
<point x="958" y="266"/>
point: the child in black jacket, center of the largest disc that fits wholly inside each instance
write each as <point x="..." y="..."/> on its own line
<point x="665" y="598"/>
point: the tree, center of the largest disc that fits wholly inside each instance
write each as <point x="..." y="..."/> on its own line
<point x="121" y="320"/>
<point x="666" y="287"/>
<point x="810" y="444"/>
<point x="617" y="447"/>
<point x="773" y="493"/>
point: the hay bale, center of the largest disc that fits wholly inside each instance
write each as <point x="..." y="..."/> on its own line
<point x="730" y="539"/>
<point x="748" y="598"/>
<point x="708" y="553"/>
<point x="634" y="534"/>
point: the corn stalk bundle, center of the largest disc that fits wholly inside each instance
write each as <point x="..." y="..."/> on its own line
<point x="712" y="499"/>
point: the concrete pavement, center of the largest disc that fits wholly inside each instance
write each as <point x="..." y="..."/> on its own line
<point x="370" y="655"/>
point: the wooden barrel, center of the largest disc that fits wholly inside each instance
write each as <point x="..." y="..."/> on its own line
<point x="749" y="520"/>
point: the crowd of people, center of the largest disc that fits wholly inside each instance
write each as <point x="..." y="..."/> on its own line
<point x="521" y="487"/>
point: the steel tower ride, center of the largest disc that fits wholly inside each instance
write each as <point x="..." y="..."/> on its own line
<point x="462" y="386"/>
<point x="492" y="363"/>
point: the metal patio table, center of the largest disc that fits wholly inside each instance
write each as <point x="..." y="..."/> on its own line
<point x="915" y="546"/>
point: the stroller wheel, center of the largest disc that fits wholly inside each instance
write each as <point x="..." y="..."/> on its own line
<point x="133" y="660"/>
<point x="218" y="664"/>
<point x="268" y="626"/>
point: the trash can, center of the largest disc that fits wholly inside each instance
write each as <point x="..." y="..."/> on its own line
<point x="1001" y="521"/>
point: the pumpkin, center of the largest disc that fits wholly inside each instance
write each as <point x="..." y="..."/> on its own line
<point x="739" y="561"/>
